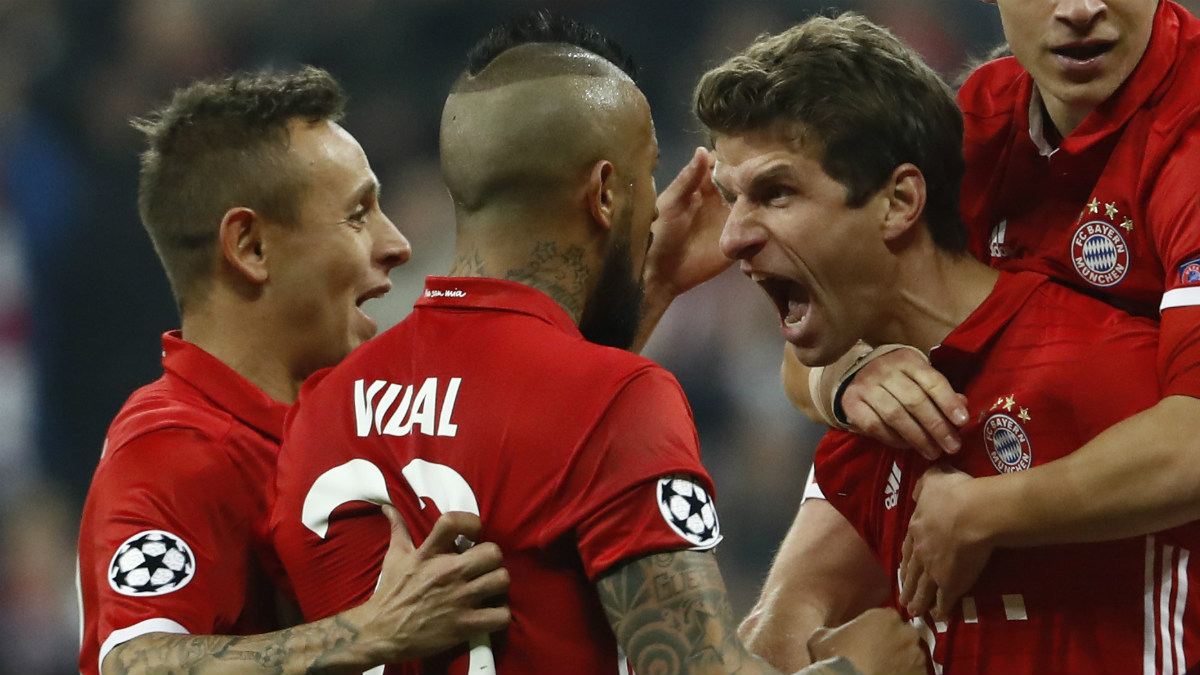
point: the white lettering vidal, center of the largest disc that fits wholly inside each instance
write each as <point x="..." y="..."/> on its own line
<point x="362" y="405"/>
<point x="420" y="409"/>
<point x="445" y="426"/>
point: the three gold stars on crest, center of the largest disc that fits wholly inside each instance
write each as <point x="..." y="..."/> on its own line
<point x="1007" y="403"/>
<point x="1110" y="210"/>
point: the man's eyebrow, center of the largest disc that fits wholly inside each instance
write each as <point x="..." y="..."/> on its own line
<point x="777" y="172"/>
<point x="368" y="187"/>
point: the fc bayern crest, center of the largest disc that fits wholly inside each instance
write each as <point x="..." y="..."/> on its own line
<point x="1099" y="253"/>
<point x="689" y="511"/>
<point x="1007" y="444"/>
<point x="153" y="562"/>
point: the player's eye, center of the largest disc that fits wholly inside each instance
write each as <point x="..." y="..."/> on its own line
<point x="775" y="195"/>
<point x="357" y="219"/>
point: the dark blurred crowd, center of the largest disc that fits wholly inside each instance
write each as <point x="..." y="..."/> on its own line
<point x="83" y="300"/>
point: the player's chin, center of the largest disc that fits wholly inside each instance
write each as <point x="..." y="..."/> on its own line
<point x="363" y="327"/>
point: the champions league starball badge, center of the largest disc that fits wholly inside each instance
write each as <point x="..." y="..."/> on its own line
<point x="153" y="562"/>
<point x="689" y="510"/>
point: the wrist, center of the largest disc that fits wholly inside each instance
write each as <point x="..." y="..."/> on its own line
<point x="362" y="643"/>
<point x="979" y="522"/>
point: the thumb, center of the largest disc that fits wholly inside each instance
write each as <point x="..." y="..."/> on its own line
<point x="401" y="540"/>
<point x="447" y="530"/>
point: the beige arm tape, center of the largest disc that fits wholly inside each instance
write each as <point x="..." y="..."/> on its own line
<point x="839" y="415"/>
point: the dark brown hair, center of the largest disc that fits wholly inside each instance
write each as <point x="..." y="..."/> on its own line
<point x="220" y="144"/>
<point x="855" y="94"/>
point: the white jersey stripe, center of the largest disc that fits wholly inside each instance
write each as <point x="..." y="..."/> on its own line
<point x="1164" y="610"/>
<point x="1181" y="591"/>
<point x="1180" y="297"/>
<point x="811" y="489"/>
<point x="1149" y="662"/>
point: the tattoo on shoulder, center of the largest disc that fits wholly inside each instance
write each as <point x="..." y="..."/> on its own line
<point x="671" y="614"/>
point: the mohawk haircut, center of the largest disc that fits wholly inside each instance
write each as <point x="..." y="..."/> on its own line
<point x="544" y="26"/>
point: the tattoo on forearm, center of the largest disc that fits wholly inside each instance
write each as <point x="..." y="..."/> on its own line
<point x="561" y="275"/>
<point x="315" y="649"/>
<point x="671" y="614"/>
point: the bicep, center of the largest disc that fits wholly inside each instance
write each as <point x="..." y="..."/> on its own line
<point x="670" y="613"/>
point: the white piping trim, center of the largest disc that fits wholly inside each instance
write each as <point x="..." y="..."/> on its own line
<point x="1164" y="610"/>
<point x="1148" y="651"/>
<point x="123" y="635"/>
<point x="1181" y="586"/>
<point x="811" y="489"/>
<point x="1180" y="297"/>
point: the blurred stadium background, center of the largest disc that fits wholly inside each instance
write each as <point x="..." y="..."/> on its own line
<point x="83" y="301"/>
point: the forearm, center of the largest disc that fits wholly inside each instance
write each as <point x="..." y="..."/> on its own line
<point x="1140" y="476"/>
<point x="332" y="645"/>
<point x="823" y="575"/>
<point x="654" y="306"/>
<point x="670" y="613"/>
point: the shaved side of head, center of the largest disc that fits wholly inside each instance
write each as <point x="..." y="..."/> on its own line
<point x="522" y="134"/>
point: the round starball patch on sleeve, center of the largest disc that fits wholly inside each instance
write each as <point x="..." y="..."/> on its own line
<point x="152" y="562"/>
<point x="690" y="511"/>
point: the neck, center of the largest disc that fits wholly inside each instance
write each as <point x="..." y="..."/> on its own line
<point x="557" y="266"/>
<point x="242" y="339"/>
<point x="1063" y="117"/>
<point x="931" y="299"/>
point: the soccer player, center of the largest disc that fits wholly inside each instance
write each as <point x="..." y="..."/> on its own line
<point x="1080" y="159"/>
<point x="265" y="214"/>
<point x="498" y="396"/>
<point x="839" y="153"/>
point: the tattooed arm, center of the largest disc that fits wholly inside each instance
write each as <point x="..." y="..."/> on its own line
<point x="428" y="600"/>
<point x="328" y="646"/>
<point x="671" y="614"/>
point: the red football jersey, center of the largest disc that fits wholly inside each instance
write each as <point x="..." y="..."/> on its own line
<point x="1046" y="370"/>
<point x="487" y="399"/>
<point x="1114" y="210"/>
<point x="174" y="536"/>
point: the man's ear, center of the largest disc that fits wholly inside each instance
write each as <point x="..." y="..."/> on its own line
<point x="601" y="194"/>
<point x="241" y="237"/>
<point x="905" y="194"/>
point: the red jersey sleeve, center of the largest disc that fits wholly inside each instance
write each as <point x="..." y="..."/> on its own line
<point x="1125" y="355"/>
<point x="637" y="485"/>
<point x="1176" y="227"/>
<point x="150" y="554"/>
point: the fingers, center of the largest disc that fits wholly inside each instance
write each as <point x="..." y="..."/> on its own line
<point x="908" y="571"/>
<point x="448" y="528"/>
<point x="687" y="180"/>
<point x="942" y="604"/>
<point x="923" y="596"/>
<point x="904" y="402"/>
<point x="480" y="560"/>
<point x="918" y="590"/>
<point x="485" y="620"/>
<point x="401" y="540"/>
